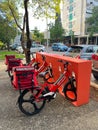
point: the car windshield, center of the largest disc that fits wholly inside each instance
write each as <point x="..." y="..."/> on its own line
<point x="95" y="49"/>
<point x="75" y="49"/>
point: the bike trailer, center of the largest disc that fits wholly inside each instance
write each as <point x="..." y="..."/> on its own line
<point x="24" y="77"/>
<point x="7" y="57"/>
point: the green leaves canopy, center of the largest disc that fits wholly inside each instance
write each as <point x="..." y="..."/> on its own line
<point x="93" y="21"/>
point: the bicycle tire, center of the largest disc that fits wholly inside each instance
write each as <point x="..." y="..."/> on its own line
<point x="30" y="101"/>
<point x="70" y="90"/>
<point x="10" y="73"/>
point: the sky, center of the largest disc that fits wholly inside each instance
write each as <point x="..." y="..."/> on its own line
<point x="41" y="24"/>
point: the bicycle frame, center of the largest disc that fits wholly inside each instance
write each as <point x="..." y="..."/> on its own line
<point x="53" y="87"/>
<point x="47" y="91"/>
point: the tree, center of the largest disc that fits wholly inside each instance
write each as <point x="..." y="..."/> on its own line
<point x="7" y="32"/>
<point x="9" y="9"/>
<point x="93" y="22"/>
<point x="37" y="35"/>
<point x="46" y="8"/>
<point x="56" y="30"/>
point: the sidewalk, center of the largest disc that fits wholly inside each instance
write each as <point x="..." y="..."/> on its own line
<point x="59" y="114"/>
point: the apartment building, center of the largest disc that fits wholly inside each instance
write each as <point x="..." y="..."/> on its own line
<point x="73" y="16"/>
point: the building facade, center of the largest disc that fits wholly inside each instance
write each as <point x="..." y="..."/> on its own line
<point x="73" y="16"/>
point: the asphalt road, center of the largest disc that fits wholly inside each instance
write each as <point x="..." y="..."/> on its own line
<point x="59" y="114"/>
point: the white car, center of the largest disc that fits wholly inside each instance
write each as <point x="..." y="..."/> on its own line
<point x="34" y="48"/>
<point x="37" y="48"/>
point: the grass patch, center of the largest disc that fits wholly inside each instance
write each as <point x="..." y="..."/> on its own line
<point x="3" y="53"/>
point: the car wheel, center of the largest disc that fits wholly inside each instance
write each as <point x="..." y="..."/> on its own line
<point x="65" y="49"/>
<point x="59" y="50"/>
<point x="95" y="73"/>
<point x="95" y="76"/>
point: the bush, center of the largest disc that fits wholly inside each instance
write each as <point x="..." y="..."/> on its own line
<point x="2" y="45"/>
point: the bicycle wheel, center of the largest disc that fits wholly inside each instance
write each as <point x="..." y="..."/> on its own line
<point x="28" y="103"/>
<point x="70" y="90"/>
<point x="10" y="73"/>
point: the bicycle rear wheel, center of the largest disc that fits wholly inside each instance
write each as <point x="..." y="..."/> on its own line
<point x="28" y="103"/>
<point x="70" y="90"/>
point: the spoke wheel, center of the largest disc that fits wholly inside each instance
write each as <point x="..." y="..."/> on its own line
<point x="28" y="103"/>
<point x="70" y="91"/>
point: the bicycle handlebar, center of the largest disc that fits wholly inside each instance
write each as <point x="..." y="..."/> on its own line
<point x="65" y="63"/>
<point x="43" y="57"/>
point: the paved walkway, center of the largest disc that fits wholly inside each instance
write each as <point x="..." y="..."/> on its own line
<point x="57" y="115"/>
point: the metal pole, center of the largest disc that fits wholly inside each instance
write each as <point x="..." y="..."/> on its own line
<point x="87" y="40"/>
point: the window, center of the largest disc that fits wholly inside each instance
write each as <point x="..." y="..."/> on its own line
<point x="71" y="8"/>
<point x="70" y="1"/>
<point x="70" y="25"/>
<point x="95" y="49"/>
<point x="70" y="16"/>
<point x="89" y="50"/>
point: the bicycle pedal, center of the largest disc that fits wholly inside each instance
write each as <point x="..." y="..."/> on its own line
<point x="54" y="95"/>
<point x="50" y="94"/>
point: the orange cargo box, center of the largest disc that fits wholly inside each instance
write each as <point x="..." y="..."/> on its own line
<point x="81" y="69"/>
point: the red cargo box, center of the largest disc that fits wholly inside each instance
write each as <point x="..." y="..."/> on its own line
<point x="13" y="62"/>
<point x="24" y="77"/>
<point x="7" y="57"/>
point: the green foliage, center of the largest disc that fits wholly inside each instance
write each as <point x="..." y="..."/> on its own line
<point x="2" y="45"/>
<point x="37" y="36"/>
<point x="56" y="31"/>
<point x="9" y="13"/>
<point x="9" y="7"/>
<point x="93" y="22"/>
<point x="3" y="53"/>
<point x="7" y="32"/>
<point x="45" y="8"/>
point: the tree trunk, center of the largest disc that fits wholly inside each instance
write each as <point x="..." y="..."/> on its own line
<point x="28" y="59"/>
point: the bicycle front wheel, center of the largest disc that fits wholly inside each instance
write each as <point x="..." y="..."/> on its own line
<point x="70" y="90"/>
<point x="28" y="103"/>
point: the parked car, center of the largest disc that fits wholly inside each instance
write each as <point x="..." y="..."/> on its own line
<point x="95" y="66"/>
<point x="37" y="48"/>
<point x="19" y="49"/>
<point x="34" y="48"/>
<point x="13" y="46"/>
<point x="59" y="47"/>
<point x="82" y="51"/>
